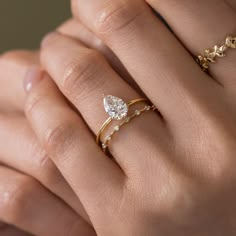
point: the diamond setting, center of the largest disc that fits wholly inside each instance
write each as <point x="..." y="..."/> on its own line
<point x="115" y="107"/>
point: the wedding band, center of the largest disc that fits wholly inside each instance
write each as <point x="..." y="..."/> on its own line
<point x="210" y="55"/>
<point x="117" y="109"/>
<point x="105" y="144"/>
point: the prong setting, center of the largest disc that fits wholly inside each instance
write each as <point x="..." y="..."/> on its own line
<point x="115" y="107"/>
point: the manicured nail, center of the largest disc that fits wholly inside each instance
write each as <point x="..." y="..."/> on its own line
<point x="32" y="77"/>
<point x="48" y="38"/>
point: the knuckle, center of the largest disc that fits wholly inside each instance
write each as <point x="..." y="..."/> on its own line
<point x="44" y="169"/>
<point x="41" y="157"/>
<point x="116" y="16"/>
<point x="100" y="46"/>
<point x="58" y="139"/>
<point x="15" y="207"/>
<point x="80" y="75"/>
<point x="54" y="137"/>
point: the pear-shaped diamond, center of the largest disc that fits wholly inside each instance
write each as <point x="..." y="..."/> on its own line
<point x="115" y="107"/>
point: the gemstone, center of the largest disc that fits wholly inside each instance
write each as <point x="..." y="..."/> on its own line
<point x="115" y="107"/>
<point x="117" y="128"/>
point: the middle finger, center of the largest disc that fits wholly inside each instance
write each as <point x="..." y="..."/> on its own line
<point x="158" y="62"/>
<point x="201" y="25"/>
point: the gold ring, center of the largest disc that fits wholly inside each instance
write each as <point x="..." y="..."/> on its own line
<point x="210" y="55"/>
<point x="117" y="109"/>
<point x="117" y="128"/>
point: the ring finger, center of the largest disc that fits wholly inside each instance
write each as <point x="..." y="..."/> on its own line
<point x="201" y="25"/>
<point x="83" y="75"/>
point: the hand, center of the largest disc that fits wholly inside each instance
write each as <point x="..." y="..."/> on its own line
<point x="174" y="171"/>
<point x="33" y="162"/>
<point x="16" y="137"/>
<point x="34" y="196"/>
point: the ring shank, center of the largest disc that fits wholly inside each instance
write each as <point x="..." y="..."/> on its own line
<point x="109" y="120"/>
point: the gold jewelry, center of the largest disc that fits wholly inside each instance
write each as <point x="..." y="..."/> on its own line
<point x="210" y="55"/>
<point x="105" y="144"/>
<point x="117" y="109"/>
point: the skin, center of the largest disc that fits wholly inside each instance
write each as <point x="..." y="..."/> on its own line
<point x="174" y="174"/>
<point x="16" y="132"/>
<point x="33" y="161"/>
<point x="11" y="231"/>
<point x="157" y="190"/>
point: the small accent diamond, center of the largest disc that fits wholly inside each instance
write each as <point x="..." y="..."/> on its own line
<point x="117" y="128"/>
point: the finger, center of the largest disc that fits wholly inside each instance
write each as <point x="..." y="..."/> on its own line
<point x="13" y="66"/>
<point x="28" y="157"/>
<point x="28" y="206"/>
<point x="214" y="20"/>
<point x="152" y="55"/>
<point x="83" y="75"/>
<point x="76" y="29"/>
<point x="95" y="178"/>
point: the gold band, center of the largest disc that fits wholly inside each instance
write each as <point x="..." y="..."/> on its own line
<point x="210" y="55"/>
<point x="109" y="120"/>
<point x="105" y="144"/>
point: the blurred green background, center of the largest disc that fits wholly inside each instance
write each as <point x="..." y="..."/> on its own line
<point x="24" y="22"/>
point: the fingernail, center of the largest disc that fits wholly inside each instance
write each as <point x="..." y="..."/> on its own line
<point x="48" y="38"/>
<point x="32" y="77"/>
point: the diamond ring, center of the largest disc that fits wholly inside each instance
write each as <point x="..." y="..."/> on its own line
<point x="115" y="107"/>
<point x="118" y="110"/>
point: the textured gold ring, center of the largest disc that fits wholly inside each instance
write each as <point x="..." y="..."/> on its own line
<point x="117" y="109"/>
<point x="210" y="55"/>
